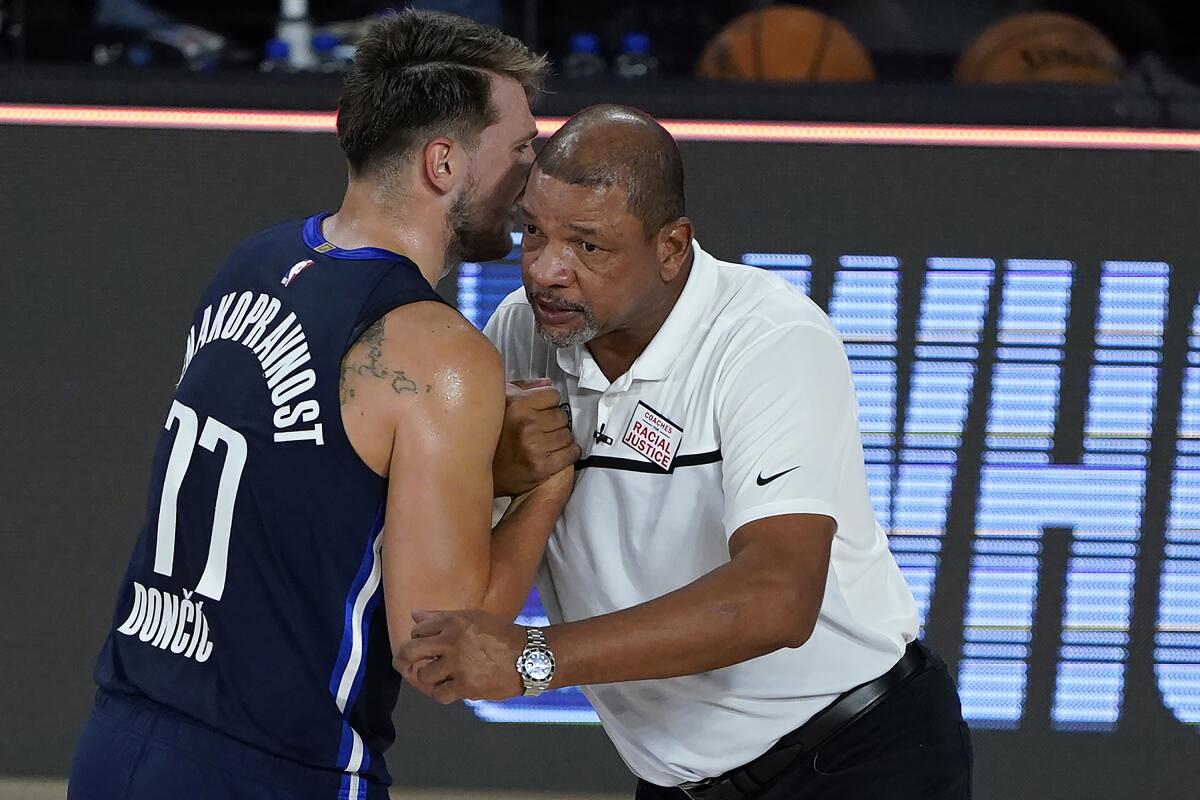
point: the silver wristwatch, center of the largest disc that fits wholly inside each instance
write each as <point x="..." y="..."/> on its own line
<point x="535" y="665"/>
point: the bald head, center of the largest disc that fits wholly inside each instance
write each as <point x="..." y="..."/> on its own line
<point x="609" y="145"/>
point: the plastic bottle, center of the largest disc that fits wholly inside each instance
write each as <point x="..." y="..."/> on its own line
<point x="584" y="60"/>
<point x="324" y="45"/>
<point x="635" y="61"/>
<point x="344" y="54"/>
<point x="276" y="57"/>
<point x="295" y="28"/>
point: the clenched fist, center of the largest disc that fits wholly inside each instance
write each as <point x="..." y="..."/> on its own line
<point x="536" y="441"/>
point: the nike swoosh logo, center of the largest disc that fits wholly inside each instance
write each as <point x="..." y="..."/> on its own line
<point x="764" y="481"/>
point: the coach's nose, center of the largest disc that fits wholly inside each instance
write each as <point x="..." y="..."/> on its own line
<point x="549" y="267"/>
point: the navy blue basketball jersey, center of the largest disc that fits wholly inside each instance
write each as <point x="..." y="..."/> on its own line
<point x="252" y="601"/>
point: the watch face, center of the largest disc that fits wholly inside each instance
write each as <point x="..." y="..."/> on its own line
<point x="539" y="666"/>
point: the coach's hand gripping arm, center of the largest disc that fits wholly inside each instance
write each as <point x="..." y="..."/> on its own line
<point x="437" y="386"/>
<point x="536" y="441"/>
<point x="766" y="598"/>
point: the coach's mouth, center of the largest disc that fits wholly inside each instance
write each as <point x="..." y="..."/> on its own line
<point x="550" y="313"/>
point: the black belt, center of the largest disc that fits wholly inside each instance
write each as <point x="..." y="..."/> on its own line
<point x="745" y="782"/>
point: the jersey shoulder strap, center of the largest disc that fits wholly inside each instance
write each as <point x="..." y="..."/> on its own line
<point x="398" y="286"/>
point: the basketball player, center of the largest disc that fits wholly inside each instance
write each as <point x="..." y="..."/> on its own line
<point x="330" y="446"/>
<point x="718" y="582"/>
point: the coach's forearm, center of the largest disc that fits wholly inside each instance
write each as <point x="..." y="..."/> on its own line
<point x="518" y="543"/>
<point x="735" y="613"/>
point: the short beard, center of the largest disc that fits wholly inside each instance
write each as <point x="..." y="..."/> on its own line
<point x="581" y="335"/>
<point x="468" y="241"/>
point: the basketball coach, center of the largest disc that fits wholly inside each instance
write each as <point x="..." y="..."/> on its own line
<point x="720" y="586"/>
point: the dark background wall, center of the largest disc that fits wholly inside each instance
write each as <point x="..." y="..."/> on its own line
<point x="108" y="236"/>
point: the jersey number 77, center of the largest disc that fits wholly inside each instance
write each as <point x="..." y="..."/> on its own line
<point x="186" y="422"/>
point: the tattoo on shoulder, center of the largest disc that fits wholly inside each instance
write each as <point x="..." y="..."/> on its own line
<point x="375" y="332"/>
<point x="368" y="365"/>
<point x="345" y="390"/>
<point x="373" y="337"/>
<point x="401" y="383"/>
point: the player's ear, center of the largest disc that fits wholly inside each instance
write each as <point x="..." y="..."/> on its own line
<point x="674" y="245"/>
<point x="437" y="165"/>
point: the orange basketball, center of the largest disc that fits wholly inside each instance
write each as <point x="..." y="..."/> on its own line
<point x="1041" y="47"/>
<point x="785" y="43"/>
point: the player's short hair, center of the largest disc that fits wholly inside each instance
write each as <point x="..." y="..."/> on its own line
<point x="419" y="74"/>
<point x="611" y="145"/>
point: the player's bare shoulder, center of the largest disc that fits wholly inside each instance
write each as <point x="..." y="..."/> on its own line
<point x="418" y="349"/>
<point x="422" y="361"/>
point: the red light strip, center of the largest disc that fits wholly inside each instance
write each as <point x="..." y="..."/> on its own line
<point x="936" y="135"/>
<point x="188" y="118"/>
<point x="684" y="130"/>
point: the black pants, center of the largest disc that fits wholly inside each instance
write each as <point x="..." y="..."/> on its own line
<point x="914" y="744"/>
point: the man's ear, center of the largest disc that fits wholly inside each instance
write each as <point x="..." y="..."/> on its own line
<point x="674" y="247"/>
<point x="437" y="164"/>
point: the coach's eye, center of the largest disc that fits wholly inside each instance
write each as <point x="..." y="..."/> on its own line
<point x="588" y="247"/>
<point x="531" y="230"/>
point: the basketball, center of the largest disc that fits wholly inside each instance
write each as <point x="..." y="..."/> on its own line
<point x="785" y="43"/>
<point x="1041" y="47"/>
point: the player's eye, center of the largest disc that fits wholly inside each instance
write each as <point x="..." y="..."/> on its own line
<point x="531" y="229"/>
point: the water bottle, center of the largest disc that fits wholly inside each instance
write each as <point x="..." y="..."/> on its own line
<point x="344" y="55"/>
<point x="295" y="28"/>
<point x="324" y="45"/>
<point x="635" y="60"/>
<point x="584" y="60"/>
<point x="277" y="56"/>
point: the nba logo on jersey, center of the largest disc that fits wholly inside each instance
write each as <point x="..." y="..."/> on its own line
<point x="296" y="269"/>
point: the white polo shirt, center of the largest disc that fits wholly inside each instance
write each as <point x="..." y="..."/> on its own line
<point x="742" y="407"/>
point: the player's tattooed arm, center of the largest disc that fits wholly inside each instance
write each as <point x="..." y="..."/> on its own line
<point x="364" y="360"/>
<point x="373" y="339"/>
